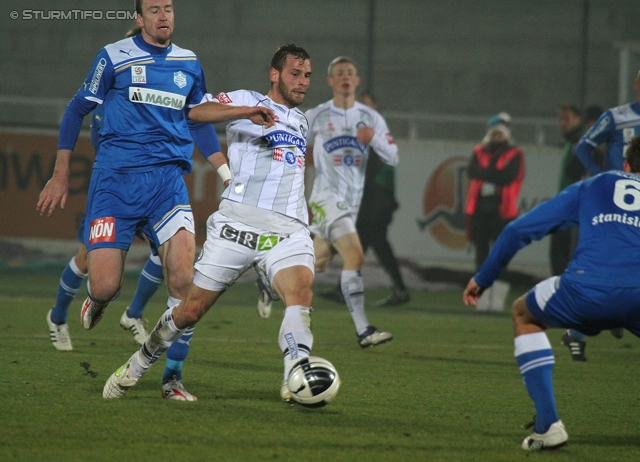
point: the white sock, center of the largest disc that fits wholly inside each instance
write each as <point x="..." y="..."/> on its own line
<point x="172" y="301"/>
<point x="75" y="269"/>
<point x="159" y="340"/>
<point x="295" y="338"/>
<point x="353" y="292"/>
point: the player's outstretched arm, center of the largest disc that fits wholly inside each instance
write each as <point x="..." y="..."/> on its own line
<point x="57" y="188"/>
<point x="472" y="293"/>
<point x="215" y="112"/>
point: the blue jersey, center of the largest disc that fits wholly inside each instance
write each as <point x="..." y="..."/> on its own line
<point x="607" y="210"/>
<point x="146" y="92"/>
<point x="616" y="127"/>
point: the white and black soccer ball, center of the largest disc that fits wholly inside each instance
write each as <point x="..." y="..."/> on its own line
<point x="313" y="382"/>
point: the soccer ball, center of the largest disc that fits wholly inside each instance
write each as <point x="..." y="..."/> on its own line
<point x="313" y="382"/>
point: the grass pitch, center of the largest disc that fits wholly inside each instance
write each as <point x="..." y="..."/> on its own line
<point x="446" y="389"/>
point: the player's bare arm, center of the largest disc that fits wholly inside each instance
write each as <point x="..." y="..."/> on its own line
<point x="472" y="293"/>
<point x="57" y="188"/>
<point x="211" y="112"/>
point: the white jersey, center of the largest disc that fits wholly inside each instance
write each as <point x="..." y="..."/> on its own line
<point x="339" y="159"/>
<point x="267" y="164"/>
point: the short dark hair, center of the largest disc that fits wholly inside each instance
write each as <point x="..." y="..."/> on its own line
<point x="279" y="59"/>
<point x="632" y="154"/>
<point x="569" y="107"/>
<point x="137" y="5"/>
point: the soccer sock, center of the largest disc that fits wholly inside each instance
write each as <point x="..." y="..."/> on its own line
<point x="176" y="354"/>
<point x="148" y="283"/>
<point x="353" y="292"/>
<point x="579" y="336"/>
<point x="295" y="337"/>
<point x="178" y="351"/>
<point x="160" y="339"/>
<point x="70" y="282"/>
<point x="535" y="360"/>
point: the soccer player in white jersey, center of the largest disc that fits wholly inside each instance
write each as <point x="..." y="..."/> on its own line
<point x="343" y="132"/>
<point x="261" y="221"/>
<point x="147" y="85"/>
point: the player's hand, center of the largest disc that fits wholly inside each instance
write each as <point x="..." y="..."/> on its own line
<point x="55" y="191"/>
<point x="261" y="116"/>
<point x="365" y="135"/>
<point x="472" y="293"/>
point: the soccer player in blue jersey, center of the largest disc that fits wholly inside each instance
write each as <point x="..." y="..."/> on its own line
<point x="76" y="270"/>
<point x="598" y="290"/>
<point x="616" y="127"/>
<point x="147" y="84"/>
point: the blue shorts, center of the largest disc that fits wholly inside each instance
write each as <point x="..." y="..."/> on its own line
<point x="121" y="204"/>
<point x="565" y="303"/>
<point x="80" y="236"/>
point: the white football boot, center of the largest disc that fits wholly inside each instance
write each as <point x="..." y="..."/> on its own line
<point x="555" y="437"/>
<point x="59" y="334"/>
<point x="119" y="382"/>
<point x="136" y="326"/>
<point x="174" y="389"/>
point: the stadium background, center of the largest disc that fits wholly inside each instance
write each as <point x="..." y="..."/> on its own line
<point x="438" y="70"/>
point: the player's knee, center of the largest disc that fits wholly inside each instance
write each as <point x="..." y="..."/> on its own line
<point x="322" y="261"/>
<point x="305" y="296"/>
<point x="178" y="280"/>
<point x="103" y="290"/>
<point x="81" y="262"/>
<point x="523" y="321"/>
<point x="518" y="309"/>
<point x="188" y="313"/>
<point x="353" y="260"/>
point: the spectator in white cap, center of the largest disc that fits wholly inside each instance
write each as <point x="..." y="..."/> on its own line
<point x="496" y="172"/>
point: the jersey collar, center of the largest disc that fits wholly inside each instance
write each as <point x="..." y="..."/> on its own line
<point x="154" y="50"/>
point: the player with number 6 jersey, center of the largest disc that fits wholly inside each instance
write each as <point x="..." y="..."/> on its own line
<point x="598" y="290"/>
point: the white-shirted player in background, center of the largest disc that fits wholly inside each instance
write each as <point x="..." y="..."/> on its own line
<point x="261" y="222"/>
<point x="343" y="131"/>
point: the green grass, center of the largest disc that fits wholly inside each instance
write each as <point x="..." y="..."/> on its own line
<point x="446" y="389"/>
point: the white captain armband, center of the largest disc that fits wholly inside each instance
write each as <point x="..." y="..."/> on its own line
<point x="224" y="173"/>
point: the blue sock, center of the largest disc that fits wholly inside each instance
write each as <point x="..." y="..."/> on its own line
<point x="148" y="283"/>
<point x="535" y="360"/>
<point x="176" y="354"/>
<point x="70" y="282"/>
<point x="579" y="336"/>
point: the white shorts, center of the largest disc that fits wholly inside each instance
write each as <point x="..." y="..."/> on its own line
<point x="328" y="213"/>
<point x="232" y="248"/>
